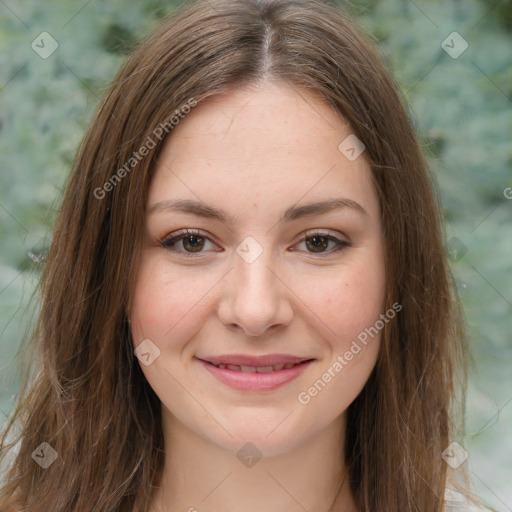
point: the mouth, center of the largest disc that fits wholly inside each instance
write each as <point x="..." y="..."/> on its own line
<point x="263" y="373"/>
<point x="256" y="369"/>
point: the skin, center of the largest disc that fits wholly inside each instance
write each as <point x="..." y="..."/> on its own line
<point x="253" y="153"/>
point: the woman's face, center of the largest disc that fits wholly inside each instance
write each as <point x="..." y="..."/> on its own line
<point x="259" y="283"/>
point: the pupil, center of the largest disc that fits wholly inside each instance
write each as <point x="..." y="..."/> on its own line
<point x="195" y="245"/>
<point x="319" y="242"/>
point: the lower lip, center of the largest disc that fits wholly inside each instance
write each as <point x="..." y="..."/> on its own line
<point x="256" y="381"/>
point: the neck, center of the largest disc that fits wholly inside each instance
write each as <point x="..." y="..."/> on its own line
<point x="201" y="476"/>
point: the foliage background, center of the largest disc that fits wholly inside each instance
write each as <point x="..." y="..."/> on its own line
<point x="461" y="107"/>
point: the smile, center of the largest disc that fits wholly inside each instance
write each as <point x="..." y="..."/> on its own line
<point x="255" y="378"/>
<point x="254" y="369"/>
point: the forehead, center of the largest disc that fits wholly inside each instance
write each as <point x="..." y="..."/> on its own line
<point x="273" y="143"/>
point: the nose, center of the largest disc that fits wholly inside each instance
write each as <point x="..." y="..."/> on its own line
<point x="255" y="299"/>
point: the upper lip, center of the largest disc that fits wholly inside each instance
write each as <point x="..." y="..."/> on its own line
<point x="245" y="360"/>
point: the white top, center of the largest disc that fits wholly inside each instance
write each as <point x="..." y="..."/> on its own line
<point x="456" y="502"/>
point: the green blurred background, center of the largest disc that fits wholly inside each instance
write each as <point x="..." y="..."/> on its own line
<point x="460" y="104"/>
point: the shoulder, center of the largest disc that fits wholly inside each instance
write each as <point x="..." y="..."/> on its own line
<point x="457" y="502"/>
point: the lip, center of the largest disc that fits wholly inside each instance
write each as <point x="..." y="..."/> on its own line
<point x="256" y="381"/>
<point x="245" y="360"/>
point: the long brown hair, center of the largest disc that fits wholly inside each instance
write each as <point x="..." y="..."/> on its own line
<point x="89" y="399"/>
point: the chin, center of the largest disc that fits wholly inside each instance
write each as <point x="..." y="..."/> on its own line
<point x="259" y="444"/>
<point x="271" y="435"/>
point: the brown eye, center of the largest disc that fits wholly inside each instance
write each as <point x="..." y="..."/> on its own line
<point x="186" y="242"/>
<point x="317" y="243"/>
<point x="193" y="243"/>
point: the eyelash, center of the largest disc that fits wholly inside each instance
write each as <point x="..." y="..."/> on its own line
<point x="171" y="240"/>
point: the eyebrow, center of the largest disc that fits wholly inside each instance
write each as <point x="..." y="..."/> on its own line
<point x="292" y="213"/>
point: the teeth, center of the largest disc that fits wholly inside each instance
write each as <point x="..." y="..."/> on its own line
<point x="255" y="369"/>
<point x="265" y="369"/>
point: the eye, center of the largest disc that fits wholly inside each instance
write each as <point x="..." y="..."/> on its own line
<point x="191" y="241"/>
<point x="317" y="243"/>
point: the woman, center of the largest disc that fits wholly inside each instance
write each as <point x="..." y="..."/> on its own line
<point x="246" y="304"/>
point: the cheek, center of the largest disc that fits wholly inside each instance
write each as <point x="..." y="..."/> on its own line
<point x="352" y="304"/>
<point x="148" y="305"/>
<point x="348" y="303"/>
<point x="348" y="314"/>
<point x="164" y="301"/>
<point x="347" y="300"/>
